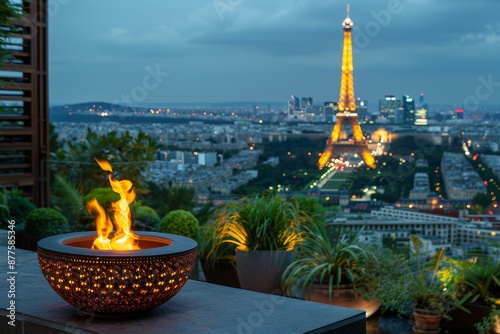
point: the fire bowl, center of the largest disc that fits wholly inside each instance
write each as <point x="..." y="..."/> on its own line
<point x="116" y="282"/>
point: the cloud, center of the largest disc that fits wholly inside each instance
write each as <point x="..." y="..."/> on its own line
<point x="274" y="47"/>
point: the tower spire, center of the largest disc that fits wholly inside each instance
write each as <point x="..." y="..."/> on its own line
<point x="347" y="102"/>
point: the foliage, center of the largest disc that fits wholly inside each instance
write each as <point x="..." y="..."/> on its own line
<point x="297" y="168"/>
<point x="104" y="196"/>
<point x="165" y="199"/>
<point x="480" y="281"/>
<point x="312" y="208"/>
<point x="180" y="198"/>
<point x="259" y="222"/>
<point x="214" y="254"/>
<point x="420" y="284"/>
<point x="143" y="209"/>
<point x="43" y="222"/>
<point x="156" y="196"/>
<point x="489" y="324"/>
<point x="180" y="222"/>
<point x="332" y="262"/>
<point x="482" y="201"/>
<point x="14" y="207"/>
<point x="127" y="154"/>
<point x="9" y="12"/>
<point x="69" y="201"/>
<point x="145" y="221"/>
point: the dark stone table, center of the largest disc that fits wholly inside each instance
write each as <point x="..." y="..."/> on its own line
<point x="199" y="307"/>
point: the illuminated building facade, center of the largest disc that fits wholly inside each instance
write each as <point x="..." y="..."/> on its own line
<point x="347" y="105"/>
<point x="408" y="105"/>
<point x="421" y="112"/>
<point x="388" y="107"/>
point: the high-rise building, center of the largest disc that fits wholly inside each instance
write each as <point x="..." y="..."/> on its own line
<point x="460" y="113"/>
<point x="24" y="116"/>
<point x="307" y="102"/>
<point x="408" y="105"/>
<point x="330" y="111"/>
<point x="293" y="106"/>
<point x="388" y="107"/>
<point x="421" y="112"/>
<point x="362" y="108"/>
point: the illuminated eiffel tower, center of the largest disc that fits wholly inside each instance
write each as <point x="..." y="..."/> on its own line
<point x="346" y="108"/>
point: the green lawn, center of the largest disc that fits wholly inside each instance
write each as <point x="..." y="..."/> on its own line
<point x="333" y="185"/>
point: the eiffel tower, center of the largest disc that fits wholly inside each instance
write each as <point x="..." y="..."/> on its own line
<point x="346" y="108"/>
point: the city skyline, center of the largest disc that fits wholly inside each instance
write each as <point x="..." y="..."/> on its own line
<point x="236" y="50"/>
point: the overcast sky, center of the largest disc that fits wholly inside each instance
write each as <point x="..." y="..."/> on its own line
<point x="263" y="50"/>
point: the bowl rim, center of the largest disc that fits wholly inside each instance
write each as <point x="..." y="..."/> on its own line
<point x="56" y="243"/>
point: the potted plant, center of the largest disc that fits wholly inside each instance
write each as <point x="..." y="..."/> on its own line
<point x="432" y="298"/>
<point x="332" y="269"/>
<point x="218" y="263"/>
<point x="477" y="282"/>
<point x="264" y="230"/>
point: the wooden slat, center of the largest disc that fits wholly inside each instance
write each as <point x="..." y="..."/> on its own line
<point x="14" y="117"/>
<point x="4" y="165"/>
<point x="17" y="67"/>
<point x="14" y="98"/>
<point x="22" y="179"/>
<point x="9" y="85"/>
<point x="16" y="146"/>
<point x="15" y="131"/>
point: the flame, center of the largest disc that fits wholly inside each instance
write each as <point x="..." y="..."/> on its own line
<point x="124" y="238"/>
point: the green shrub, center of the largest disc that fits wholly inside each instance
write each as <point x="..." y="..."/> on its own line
<point x="43" y="222"/>
<point x="180" y="222"/>
<point x="17" y="209"/>
<point x="145" y="221"/>
<point x="104" y="196"/>
<point x="146" y="209"/>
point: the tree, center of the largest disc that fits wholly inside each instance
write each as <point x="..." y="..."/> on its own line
<point x="482" y="200"/>
<point x="9" y="13"/>
<point x="127" y="154"/>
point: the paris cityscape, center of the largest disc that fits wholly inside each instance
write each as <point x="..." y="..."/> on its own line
<point x="383" y="177"/>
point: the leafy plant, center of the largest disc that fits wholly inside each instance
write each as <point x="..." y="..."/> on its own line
<point x="321" y="260"/>
<point x="69" y="201"/>
<point x="180" y="222"/>
<point x="15" y="207"/>
<point x="211" y="255"/>
<point x="480" y="281"/>
<point x="145" y="221"/>
<point x="260" y="222"/>
<point x="421" y="284"/>
<point x="43" y="222"/>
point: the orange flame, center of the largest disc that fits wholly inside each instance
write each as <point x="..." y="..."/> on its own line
<point x="124" y="238"/>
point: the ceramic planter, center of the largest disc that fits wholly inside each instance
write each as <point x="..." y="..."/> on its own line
<point x="426" y="321"/>
<point x="262" y="270"/>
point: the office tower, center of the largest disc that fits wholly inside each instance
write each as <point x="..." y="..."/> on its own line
<point x="346" y="106"/>
<point x="24" y="116"/>
<point x="421" y="112"/>
<point x="362" y="109"/>
<point x="293" y="106"/>
<point x="460" y="113"/>
<point x="307" y="102"/>
<point x="330" y="111"/>
<point x="408" y="105"/>
<point x="388" y="107"/>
